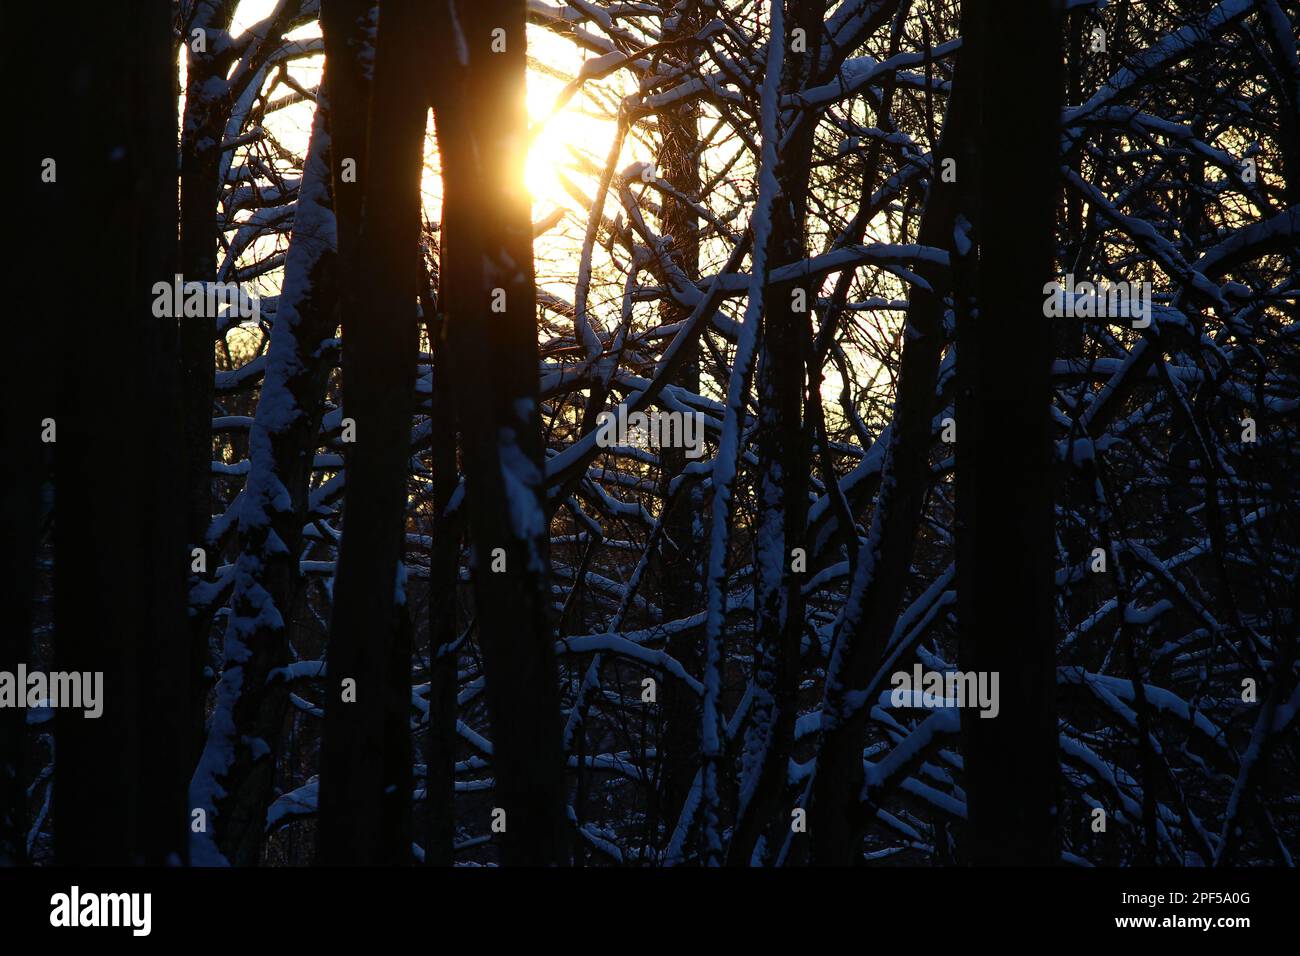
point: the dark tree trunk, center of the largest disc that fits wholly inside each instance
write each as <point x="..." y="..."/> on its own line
<point x="240" y="757"/>
<point x="835" y="820"/>
<point x="680" y="557"/>
<point x="365" y="786"/>
<point x="784" y="461"/>
<point x="27" y="387"/>
<point x="488" y="299"/>
<point x="347" y="29"/>
<point x="444" y="574"/>
<point x="23" y="404"/>
<point x="119" y="534"/>
<point x="1005" y="542"/>
<point x="203" y="127"/>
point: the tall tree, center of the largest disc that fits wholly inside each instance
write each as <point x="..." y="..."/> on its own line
<point x="835" y="813"/>
<point x="236" y="773"/>
<point x="208" y="57"/>
<point x="783" y="464"/>
<point x="444" y="576"/>
<point x="27" y="388"/>
<point x="366" y="759"/>
<point x="223" y="76"/>
<point x="1005" y="521"/>
<point x="488" y="298"/>
<point x="680" y="555"/>
<point x="119" y="544"/>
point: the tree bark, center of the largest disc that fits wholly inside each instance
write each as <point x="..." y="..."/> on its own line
<point x="444" y="575"/>
<point x="239" y="757"/>
<point x="203" y="127"/>
<point x="1005" y="520"/>
<point x="488" y="298"/>
<point x="28" y="387"/>
<point x="365" y="781"/>
<point x="835" y="822"/>
<point x="784" y="461"/>
<point x="119" y="544"/>
<point x="680" y="556"/>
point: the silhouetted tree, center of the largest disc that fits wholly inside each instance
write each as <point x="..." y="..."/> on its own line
<point x="1004" y="492"/>
<point x="366" y="757"/>
<point x="119" y="540"/>
<point x="491" y="332"/>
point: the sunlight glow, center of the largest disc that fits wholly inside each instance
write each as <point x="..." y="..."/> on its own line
<point x="560" y="135"/>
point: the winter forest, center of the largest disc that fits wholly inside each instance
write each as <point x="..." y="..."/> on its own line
<point x="653" y="433"/>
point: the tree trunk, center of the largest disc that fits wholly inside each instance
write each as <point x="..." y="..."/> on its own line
<point x="834" y="818"/>
<point x="119" y="544"/>
<point x="680" y="557"/>
<point x="784" y="461"/>
<point x="203" y="127"/>
<point x="488" y="299"/>
<point x="27" y="388"/>
<point x="365" y="780"/>
<point x="239" y="757"/>
<point x="1005" y="541"/>
<point x="444" y="575"/>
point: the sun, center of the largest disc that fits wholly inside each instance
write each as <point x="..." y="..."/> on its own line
<point x="564" y="134"/>
<point x="559" y="134"/>
<point x="547" y="153"/>
<point x="556" y="132"/>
